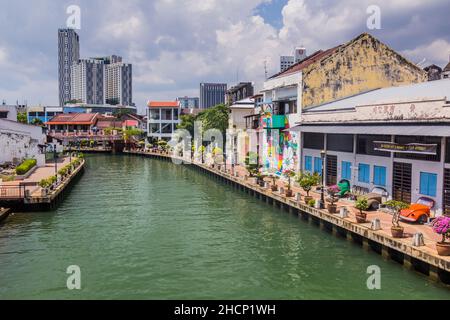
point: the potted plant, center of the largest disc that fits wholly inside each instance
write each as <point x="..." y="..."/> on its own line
<point x="441" y="225"/>
<point x="311" y="203"/>
<point x="274" y="177"/>
<point x="289" y="174"/>
<point x="44" y="184"/>
<point x="306" y="181"/>
<point x="333" y="198"/>
<point x="362" y="204"/>
<point x="260" y="178"/>
<point x="396" y="206"/>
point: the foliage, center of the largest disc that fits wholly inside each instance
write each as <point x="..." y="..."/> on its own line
<point x="22" y="117"/>
<point x="362" y="204"/>
<point x="333" y="192"/>
<point x="25" y="166"/>
<point x="441" y="225"/>
<point x="396" y="207"/>
<point x="289" y="174"/>
<point x="37" y="122"/>
<point x="312" y="203"/>
<point x="128" y="133"/>
<point x="215" y="118"/>
<point x="307" y="180"/>
<point x="187" y="123"/>
<point x="251" y="163"/>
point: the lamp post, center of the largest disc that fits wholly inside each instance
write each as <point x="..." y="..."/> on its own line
<point x="322" y="189"/>
<point x="56" y="162"/>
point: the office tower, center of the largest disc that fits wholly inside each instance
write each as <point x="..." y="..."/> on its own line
<point x="188" y="102"/>
<point x="118" y="82"/>
<point x="287" y="61"/>
<point x="68" y="53"/>
<point x="212" y="94"/>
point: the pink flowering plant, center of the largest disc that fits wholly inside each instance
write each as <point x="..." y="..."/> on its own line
<point x="441" y="225"/>
<point x="333" y="193"/>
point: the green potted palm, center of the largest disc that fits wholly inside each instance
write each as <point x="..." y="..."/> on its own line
<point x="362" y="204"/>
<point x="306" y="181"/>
<point x="289" y="174"/>
<point x="395" y="207"/>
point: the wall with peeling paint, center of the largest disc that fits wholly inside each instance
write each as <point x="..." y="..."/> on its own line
<point x="361" y="65"/>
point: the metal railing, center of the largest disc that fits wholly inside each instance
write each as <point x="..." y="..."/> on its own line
<point x="12" y="192"/>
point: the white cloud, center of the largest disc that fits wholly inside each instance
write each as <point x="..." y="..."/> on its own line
<point x="436" y="52"/>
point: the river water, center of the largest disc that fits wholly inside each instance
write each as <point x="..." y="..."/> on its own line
<point x="147" y="229"/>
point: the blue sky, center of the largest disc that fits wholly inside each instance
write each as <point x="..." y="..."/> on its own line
<point x="176" y="44"/>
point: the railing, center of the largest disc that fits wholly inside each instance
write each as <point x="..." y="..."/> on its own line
<point x="12" y="192"/>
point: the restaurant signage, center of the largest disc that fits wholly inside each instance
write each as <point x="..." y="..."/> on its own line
<point x="418" y="148"/>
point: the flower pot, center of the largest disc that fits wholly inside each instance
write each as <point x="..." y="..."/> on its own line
<point x="289" y="193"/>
<point x="397" y="232"/>
<point x="443" y="248"/>
<point x="332" y="208"/>
<point x="361" y="218"/>
<point x="274" y="188"/>
<point x="307" y="199"/>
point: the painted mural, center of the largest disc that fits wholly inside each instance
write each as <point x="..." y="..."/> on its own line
<point x="280" y="150"/>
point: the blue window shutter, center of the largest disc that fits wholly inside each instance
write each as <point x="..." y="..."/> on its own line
<point x="346" y="170"/>
<point x="423" y="183"/>
<point x="432" y="182"/>
<point x="308" y="163"/>
<point x="318" y="165"/>
<point x="379" y="175"/>
<point x="364" y="173"/>
<point x="428" y="184"/>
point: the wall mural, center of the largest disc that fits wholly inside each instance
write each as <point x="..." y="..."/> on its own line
<point x="282" y="155"/>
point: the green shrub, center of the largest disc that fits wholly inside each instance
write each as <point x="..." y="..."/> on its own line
<point x="312" y="203"/>
<point x="25" y="166"/>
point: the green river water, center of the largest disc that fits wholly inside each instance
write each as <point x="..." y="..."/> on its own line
<point x="147" y="229"/>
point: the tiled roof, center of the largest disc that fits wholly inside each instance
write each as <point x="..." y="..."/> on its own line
<point x="74" y="118"/>
<point x="161" y="104"/>
<point x="316" y="56"/>
<point x="447" y="67"/>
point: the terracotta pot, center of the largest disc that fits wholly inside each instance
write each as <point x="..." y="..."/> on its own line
<point x="332" y="208"/>
<point x="443" y="248"/>
<point x="307" y="199"/>
<point x="361" y="218"/>
<point x="289" y="193"/>
<point x="274" y="188"/>
<point x="397" y="232"/>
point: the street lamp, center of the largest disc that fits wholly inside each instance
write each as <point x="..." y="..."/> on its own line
<point x="56" y="162"/>
<point x="322" y="190"/>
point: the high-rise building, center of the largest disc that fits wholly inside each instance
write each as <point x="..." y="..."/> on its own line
<point x="68" y="53"/>
<point x="87" y="81"/>
<point x="212" y="94"/>
<point x="118" y="82"/>
<point x="239" y="92"/>
<point x="188" y="102"/>
<point x="287" y="61"/>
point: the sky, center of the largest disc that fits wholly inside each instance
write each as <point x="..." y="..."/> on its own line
<point x="176" y="44"/>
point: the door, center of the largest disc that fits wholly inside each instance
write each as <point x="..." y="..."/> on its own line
<point x="331" y="173"/>
<point x="401" y="183"/>
<point x="447" y="191"/>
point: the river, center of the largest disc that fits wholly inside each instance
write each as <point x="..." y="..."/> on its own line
<point x="146" y="229"/>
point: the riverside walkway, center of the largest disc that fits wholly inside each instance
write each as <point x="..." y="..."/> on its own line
<point x="422" y="258"/>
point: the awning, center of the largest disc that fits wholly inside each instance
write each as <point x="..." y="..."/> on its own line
<point x="435" y="130"/>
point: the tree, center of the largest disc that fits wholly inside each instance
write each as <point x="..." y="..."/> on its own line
<point x="37" y="122"/>
<point x="187" y="123"/>
<point x="22" y="117"/>
<point x="215" y="118"/>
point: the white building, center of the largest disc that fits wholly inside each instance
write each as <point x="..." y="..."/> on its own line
<point x="288" y="61"/>
<point x="8" y="112"/>
<point x="88" y="82"/>
<point x="163" y="118"/>
<point x="118" y="83"/>
<point x="20" y="141"/>
<point x="396" y="138"/>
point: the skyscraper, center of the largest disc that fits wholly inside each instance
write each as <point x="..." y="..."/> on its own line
<point x="68" y="53"/>
<point x="287" y="61"/>
<point x="87" y="81"/>
<point x="212" y="94"/>
<point x="118" y="83"/>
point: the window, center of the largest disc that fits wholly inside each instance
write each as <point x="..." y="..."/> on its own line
<point x="365" y="145"/>
<point x="428" y="183"/>
<point x="166" y="114"/>
<point x="340" y="142"/>
<point x="308" y="163"/>
<point x="154" y="114"/>
<point x="364" y="173"/>
<point x="313" y="141"/>
<point x="3" y="115"/>
<point x="154" y="128"/>
<point x="379" y="175"/>
<point x="318" y="165"/>
<point x="346" y="170"/>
